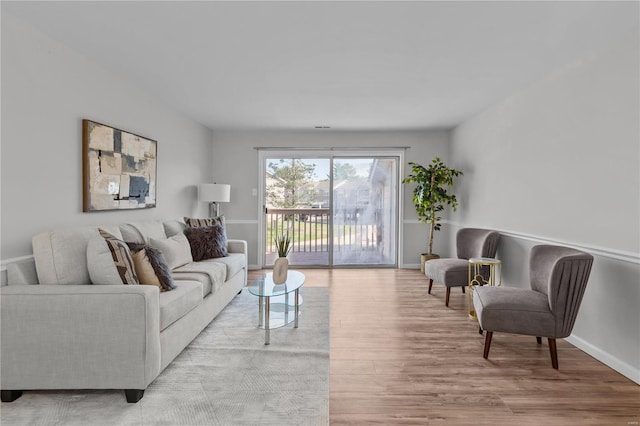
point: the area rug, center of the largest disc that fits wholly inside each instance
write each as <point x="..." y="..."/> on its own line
<point x="226" y="376"/>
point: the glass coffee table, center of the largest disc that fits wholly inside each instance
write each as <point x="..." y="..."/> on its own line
<point x="274" y="301"/>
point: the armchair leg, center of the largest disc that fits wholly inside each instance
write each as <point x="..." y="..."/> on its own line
<point x="480" y="330"/>
<point x="539" y="340"/>
<point x="133" y="395"/>
<point x="430" y="284"/>
<point x="10" y="395"/>
<point x="462" y="289"/>
<point x="446" y="299"/>
<point x="553" y="352"/>
<point x="487" y="344"/>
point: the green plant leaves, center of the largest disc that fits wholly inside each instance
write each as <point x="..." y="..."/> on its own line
<point x="431" y="193"/>
<point x="283" y="244"/>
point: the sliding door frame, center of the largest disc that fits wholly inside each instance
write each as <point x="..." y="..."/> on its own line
<point x="329" y="153"/>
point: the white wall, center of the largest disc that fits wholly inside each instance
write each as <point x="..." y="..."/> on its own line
<point x="559" y="162"/>
<point x="242" y="212"/>
<point x="47" y="89"/>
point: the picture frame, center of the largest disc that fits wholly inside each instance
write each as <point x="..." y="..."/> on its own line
<point x="119" y="169"/>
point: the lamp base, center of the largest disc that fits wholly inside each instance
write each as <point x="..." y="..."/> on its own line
<point x="214" y="209"/>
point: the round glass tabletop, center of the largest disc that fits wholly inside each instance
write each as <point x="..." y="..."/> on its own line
<point x="265" y="287"/>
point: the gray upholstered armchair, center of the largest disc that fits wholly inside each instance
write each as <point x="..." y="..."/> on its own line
<point x="452" y="272"/>
<point x="558" y="277"/>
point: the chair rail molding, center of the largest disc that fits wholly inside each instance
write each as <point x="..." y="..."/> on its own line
<point x="623" y="255"/>
<point x="241" y="221"/>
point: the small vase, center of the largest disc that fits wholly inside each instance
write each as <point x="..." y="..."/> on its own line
<point x="280" y="268"/>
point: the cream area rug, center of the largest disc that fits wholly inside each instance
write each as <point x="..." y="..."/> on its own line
<point x="226" y="376"/>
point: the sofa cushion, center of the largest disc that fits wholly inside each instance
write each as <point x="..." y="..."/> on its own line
<point x="109" y="261"/>
<point x="450" y="272"/>
<point x="234" y="263"/>
<point x="173" y="227"/>
<point x="142" y="232"/>
<point x="513" y="310"/>
<point x="178" y="302"/>
<point x="176" y="250"/>
<point x="210" y="273"/>
<point x="61" y="255"/>
<point x="207" y="242"/>
<point x="195" y="276"/>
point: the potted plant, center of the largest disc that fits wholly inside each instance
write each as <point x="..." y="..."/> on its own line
<point x="431" y="196"/>
<point x="281" y="265"/>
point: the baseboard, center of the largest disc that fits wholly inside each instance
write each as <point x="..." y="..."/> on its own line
<point x="410" y="266"/>
<point x="621" y="367"/>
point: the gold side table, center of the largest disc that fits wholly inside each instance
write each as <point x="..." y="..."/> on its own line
<point x="477" y="278"/>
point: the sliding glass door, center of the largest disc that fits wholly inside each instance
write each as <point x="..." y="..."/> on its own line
<point x="297" y="203"/>
<point x="364" y="211"/>
<point x="337" y="210"/>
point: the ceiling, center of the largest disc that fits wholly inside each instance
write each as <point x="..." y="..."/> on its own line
<point x="345" y="65"/>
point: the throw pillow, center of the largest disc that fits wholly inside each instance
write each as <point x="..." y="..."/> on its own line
<point x="207" y="242"/>
<point x="144" y="270"/>
<point x="175" y="250"/>
<point x="109" y="260"/>
<point x="151" y="267"/>
<point x="196" y="223"/>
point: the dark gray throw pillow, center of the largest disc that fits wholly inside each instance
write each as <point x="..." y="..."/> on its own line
<point x="207" y="242"/>
<point x="160" y="267"/>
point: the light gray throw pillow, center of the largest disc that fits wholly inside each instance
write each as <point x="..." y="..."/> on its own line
<point x="102" y="269"/>
<point x="176" y="250"/>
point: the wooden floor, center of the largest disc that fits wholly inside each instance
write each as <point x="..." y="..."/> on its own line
<point x="399" y="356"/>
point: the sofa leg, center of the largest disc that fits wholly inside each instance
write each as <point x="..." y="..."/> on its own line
<point x="430" y="284"/>
<point x="539" y="340"/>
<point x="487" y="344"/>
<point x="553" y="352"/>
<point x="10" y="395"/>
<point x="446" y="297"/>
<point x="240" y="292"/>
<point x="480" y="330"/>
<point x="133" y="395"/>
<point x="462" y="289"/>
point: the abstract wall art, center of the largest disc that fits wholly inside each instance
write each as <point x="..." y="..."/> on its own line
<point x="119" y="169"/>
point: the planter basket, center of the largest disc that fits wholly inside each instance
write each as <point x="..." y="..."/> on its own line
<point x="424" y="257"/>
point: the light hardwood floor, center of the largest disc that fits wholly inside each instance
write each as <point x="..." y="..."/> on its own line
<point x="399" y="356"/>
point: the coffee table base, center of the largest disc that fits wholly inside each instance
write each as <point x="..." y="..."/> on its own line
<point x="276" y="313"/>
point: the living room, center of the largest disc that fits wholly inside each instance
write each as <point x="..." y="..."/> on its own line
<point x="537" y="105"/>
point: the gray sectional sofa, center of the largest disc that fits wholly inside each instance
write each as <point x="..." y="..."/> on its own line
<point x="66" y="333"/>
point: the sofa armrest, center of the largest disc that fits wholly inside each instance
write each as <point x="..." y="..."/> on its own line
<point x="240" y="246"/>
<point x="237" y="246"/>
<point x="22" y="272"/>
<point x="79" y="336"/>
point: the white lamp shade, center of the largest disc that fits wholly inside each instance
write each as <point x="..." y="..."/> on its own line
<point x="214" y="192"/>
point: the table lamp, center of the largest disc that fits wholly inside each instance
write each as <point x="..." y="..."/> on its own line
<point x="214" y="194"/>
